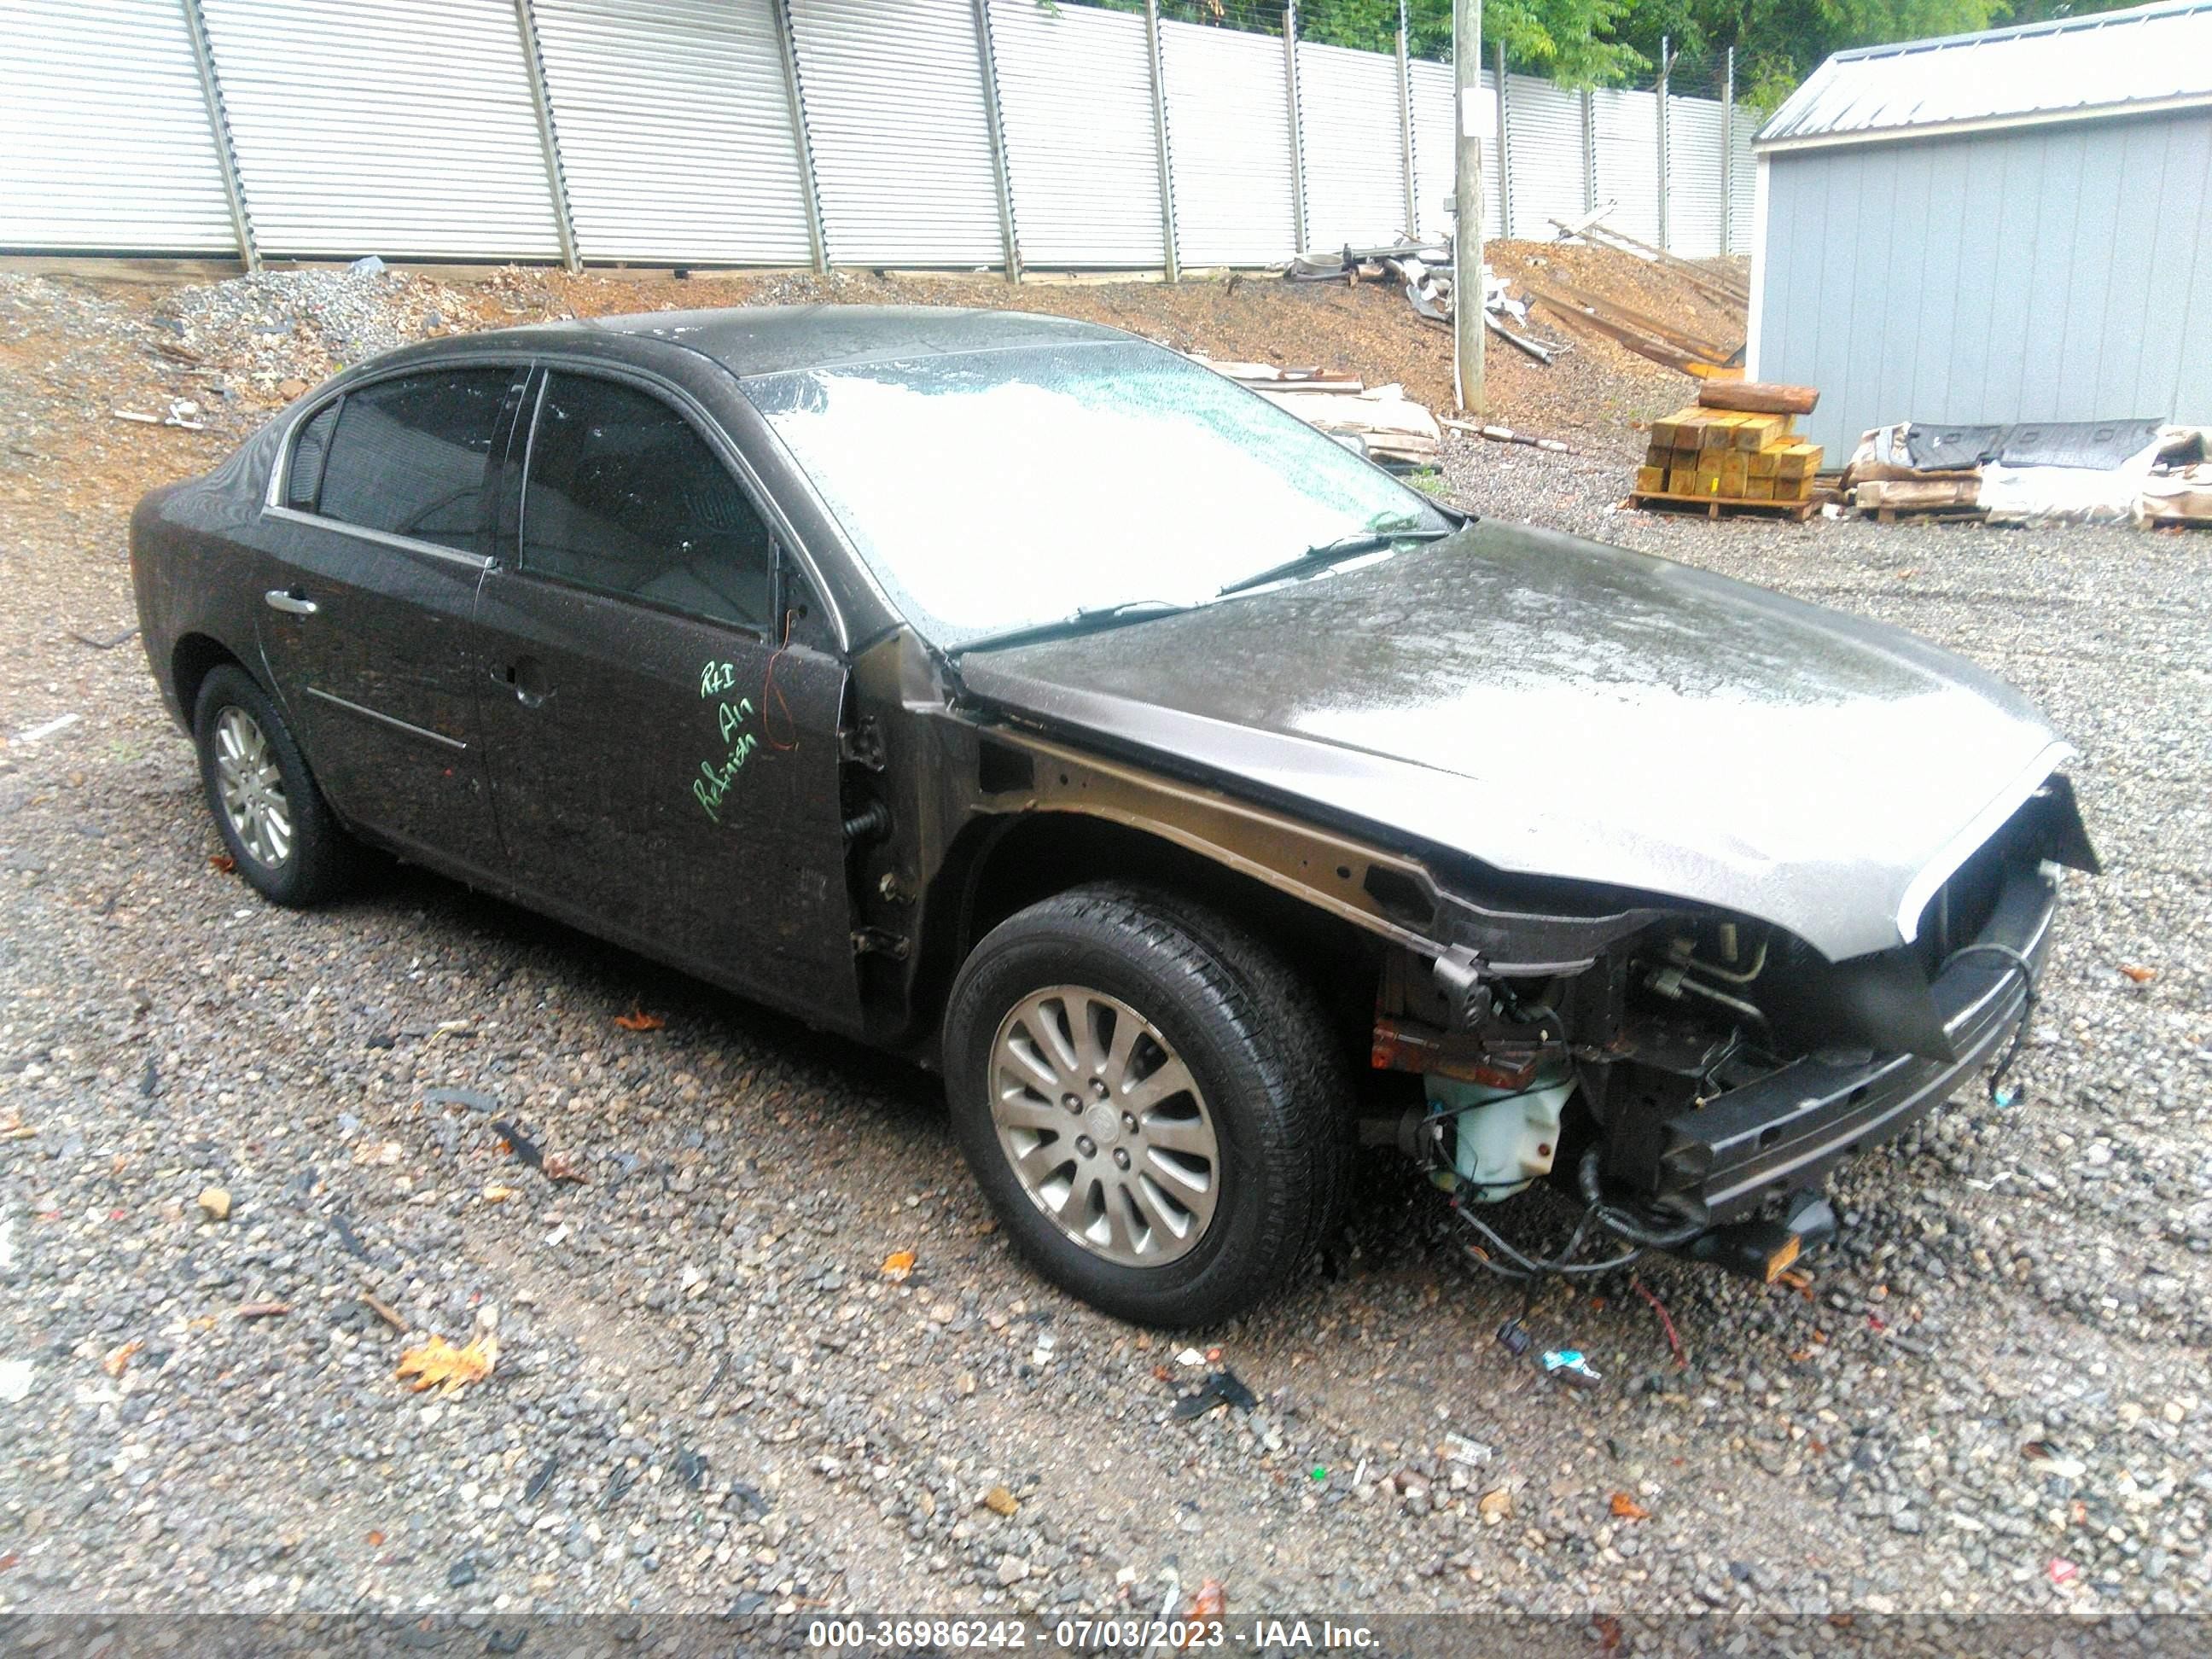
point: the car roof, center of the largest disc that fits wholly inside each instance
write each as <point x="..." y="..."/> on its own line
<point x="749" y="340"/>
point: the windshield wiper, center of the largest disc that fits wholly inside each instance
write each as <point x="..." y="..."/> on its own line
<point x="1327" y="553"/>
<point x="1088" y="620"/>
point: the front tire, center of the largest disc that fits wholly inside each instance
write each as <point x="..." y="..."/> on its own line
<point x="280" y="832"/>
<point x="1149" y="1098"/>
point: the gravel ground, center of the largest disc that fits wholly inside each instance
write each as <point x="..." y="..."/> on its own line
<point x="1991" y="1396"/>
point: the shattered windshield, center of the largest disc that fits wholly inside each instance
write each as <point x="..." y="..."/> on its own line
<point x="995" y="490"/>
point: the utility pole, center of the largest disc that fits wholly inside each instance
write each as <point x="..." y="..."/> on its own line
<point x="1467" y="205"/>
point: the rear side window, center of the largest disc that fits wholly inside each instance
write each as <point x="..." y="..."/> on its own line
<point x="625" y="496"/>
<point x="311" y="450"/>
<point x="409" y="456"/>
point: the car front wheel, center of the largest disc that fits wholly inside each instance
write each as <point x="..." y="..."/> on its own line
<point x="1151" y="1100"/>
<point x="273" y="819"/>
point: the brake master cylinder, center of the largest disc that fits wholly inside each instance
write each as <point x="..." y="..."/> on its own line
<point x="1498" y="1141"/>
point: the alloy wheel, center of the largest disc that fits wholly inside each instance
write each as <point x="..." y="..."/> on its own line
<point x="1104" y="1126"/>
<point x="252" y="787"/>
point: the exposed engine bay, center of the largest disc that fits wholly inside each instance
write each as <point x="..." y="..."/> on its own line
<point x="1693" y="1083"/>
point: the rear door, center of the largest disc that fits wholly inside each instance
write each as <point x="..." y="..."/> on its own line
<point x="381" y="534"/>
<point x="663" y="768"/>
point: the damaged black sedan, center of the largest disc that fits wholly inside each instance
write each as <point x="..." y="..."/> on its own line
<point x="1016" y="696"/>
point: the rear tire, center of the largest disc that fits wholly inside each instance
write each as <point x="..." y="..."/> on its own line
<point x="1162" y="1196"/>
<point x="280" y="832"/>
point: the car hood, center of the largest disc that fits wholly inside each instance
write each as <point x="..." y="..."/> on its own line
<point x="1553" y="706"/>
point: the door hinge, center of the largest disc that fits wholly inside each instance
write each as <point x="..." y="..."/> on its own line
<point x="879" y="941"/>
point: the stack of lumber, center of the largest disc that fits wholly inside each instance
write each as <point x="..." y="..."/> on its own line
<point x="1719" y="455"/>
<point x="1392" y="426"/>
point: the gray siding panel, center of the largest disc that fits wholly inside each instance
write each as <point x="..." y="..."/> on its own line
<point x="2055" y="273"/>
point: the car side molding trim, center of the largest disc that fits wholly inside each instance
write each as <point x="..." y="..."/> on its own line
<point x="382" y="538"/>
<point x="393" y="721"/>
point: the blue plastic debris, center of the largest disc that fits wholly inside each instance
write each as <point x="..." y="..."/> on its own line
<point x="1569" y="1366"/>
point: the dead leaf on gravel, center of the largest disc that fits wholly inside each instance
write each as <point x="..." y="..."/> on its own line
<point x="638" y="1020"/>
<point x="897" y="1265"/>
<point x="1211" y="1603"/>
<point x="223" y="862"/>
<point x="2140" y="975"/>
<point x="119" y="1361"/>
<point x="1626" y="1508"/>
<point x="1495" y="1506"/>
<point x="497" y="1193"/>
<point x="438" y="1365"/>
<point x="556" y="1167"/>
<point x="999" y="1501"/>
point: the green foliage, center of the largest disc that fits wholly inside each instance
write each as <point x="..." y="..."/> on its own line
<point x="1778" y="43"/>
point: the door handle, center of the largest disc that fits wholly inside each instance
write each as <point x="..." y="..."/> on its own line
<point x="292" y="603"/>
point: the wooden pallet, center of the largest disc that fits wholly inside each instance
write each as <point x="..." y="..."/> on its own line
<point x="1715" y="505"/>
<point x="1949" y="512"/>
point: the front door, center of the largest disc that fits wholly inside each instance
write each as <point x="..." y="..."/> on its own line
<point x="662" y="770"/>
<point x="366" y="619"/>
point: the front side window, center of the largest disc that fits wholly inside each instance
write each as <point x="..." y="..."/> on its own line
<point x="994" y="489"/>
<point x="625" y="496"/>
<point x="409" y="457"/>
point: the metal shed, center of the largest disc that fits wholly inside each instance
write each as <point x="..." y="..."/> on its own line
<point x="1998" y="228"/>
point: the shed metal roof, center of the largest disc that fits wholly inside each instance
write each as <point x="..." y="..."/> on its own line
<point x="2153" y="56"/>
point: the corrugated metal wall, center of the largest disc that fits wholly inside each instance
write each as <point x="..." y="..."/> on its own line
<point x="105" y="143"/>
<point x="1229" y="141"/>
<point x="1628" y="160"/>
<point x="398" y="127"/>
<point x="1436" y="156"/>
<point x="902" y="143"/>
<point x="1544" y="132"/>
<point x="1694" y="177"/>
<point x="412" y="129"/>
<point x="1349" y="115"/>
<point x="1075" y="91"/>
<point x="2049" y="273"/>
<point x="675" y="129"/>
<point x="1743" y="174"/>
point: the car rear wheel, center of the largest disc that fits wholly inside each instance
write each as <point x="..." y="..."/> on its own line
<point x="1151" y="1100"/>
<point x="273" y="819"/>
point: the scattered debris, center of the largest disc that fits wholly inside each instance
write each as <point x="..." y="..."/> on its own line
<point x="1190" y="1357"/>
<point x="438" y="1365"/>
<point x="222" y="862"/>
<point x="37" y="733"/>
<point x="1645" y="335"/>
<point x="385" y="1311"/>
<point x="1715" y="282"/>
<point x="1493" y="1506"/>
<point x="496" y="1193"/>
<point x="1221" y="1388"/>
<point x="118" y="1360"/>
<point x="897" y="1265"/>
<point x="2140" y="975"/>
<point x="474" y="1099"/>
<point x="557" y="1168"/>
<point x="104" y="645"/>
<point x="1626" y="1508"/>
<point x="215" y="1203"/>
<point x="1474" y="1453"/>
<point x="461" y="1574"/>
<point x="1389" y="425"/>
<point x="1513" y="1338"/>
<point x="520" y="1144"/>
<point x="638" y="1020"/>
<point x="1210" y="1605"/>
<point x="1666" y="1323"/>
<point x="14" y="1381"/>
<point x="1504" y="435"/>
<point x="541" y="1478"/>
<point x="999" y="1501"/>
<point x="2060" y="1571"/>
<point x="1568" y="1365"/>
<point x="690" y="1468"/>
<point x="619" y="1482"/>
<point x="262" y="1310"/>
